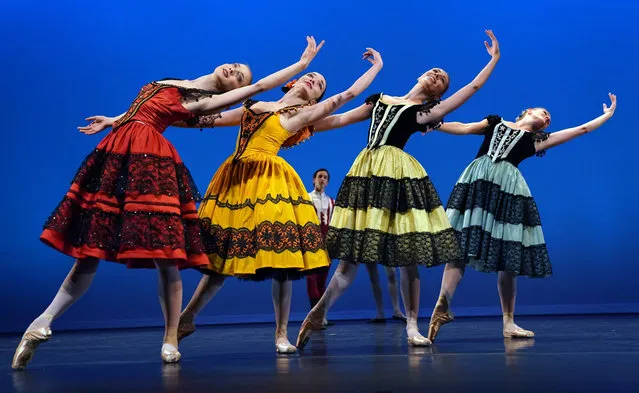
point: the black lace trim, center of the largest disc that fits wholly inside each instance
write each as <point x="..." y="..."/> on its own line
<point x="493" y="120"/>
<point x="540" y="137"/>
<point x="373" y="246"/>
<point x="493" y="255"/>
<point x="250" y="204"/>
<point x="138" y="174"/>
<point x="396" y="195"/>
<point x="267" y="236"/>
<point x="425" y="109"/>
<point x="203" y="121"/>
<point x="269" y="273"/>
<point x="505" y="207"/>
<point x="249" y="102"/>
<point x="129" y="230"/>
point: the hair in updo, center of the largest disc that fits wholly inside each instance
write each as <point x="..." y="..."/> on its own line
<point x="522" y="115"/>
<point x="525" y="112"/>
<point x="290" y="85"/>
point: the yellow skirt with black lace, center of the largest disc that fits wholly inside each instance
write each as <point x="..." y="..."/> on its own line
<point x="259" y="222"/>
<point x="387" y="211"/>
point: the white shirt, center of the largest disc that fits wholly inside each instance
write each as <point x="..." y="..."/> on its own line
<point x="323" y="206"/>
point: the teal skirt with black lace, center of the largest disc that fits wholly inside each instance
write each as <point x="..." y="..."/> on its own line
<point x="497" y="221"/>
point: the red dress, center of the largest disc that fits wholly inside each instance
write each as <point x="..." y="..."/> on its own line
<point x="133" y="199"/>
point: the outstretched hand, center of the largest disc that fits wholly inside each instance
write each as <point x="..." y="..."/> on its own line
<point x="613" y="105"/>
<point x="98" y="123"/>
<point x="374" y="57"/>
<point x="311" y="50"/>
<point x="493" y="48"/>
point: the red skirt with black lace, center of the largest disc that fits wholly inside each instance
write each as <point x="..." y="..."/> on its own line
<point x="132" y="201"/>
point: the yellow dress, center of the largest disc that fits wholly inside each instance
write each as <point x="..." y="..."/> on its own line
<point x="258" y="219"/>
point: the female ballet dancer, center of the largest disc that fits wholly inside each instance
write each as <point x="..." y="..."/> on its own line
<point x="387" y="210"/>
<point x="393" y="291"/>
<point x="493" y="212"/>
<point x="258" y="220"/>
<point x="132" y="201"/>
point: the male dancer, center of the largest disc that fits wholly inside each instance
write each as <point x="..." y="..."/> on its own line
<point x="316" y="283"/>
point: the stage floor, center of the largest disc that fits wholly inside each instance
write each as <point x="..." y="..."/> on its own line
<point x="570" y="354"/>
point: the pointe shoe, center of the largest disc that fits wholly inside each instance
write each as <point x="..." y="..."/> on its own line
<point x="29" y="343"/>
<point x="441" y="316"/>
<point x="377" y="320"/>
<point x="399" y="318"/>
<point x="170" y="354"/>
<point x="306" y="330"/>
<point x="418" y="341"/>
<point x="285" y="348"/>
<point x="185" y="329"/>
<point x="512" y="346"/>
<point x="518" y="332"/>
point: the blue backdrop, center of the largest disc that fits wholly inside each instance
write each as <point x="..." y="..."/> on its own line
<point x="63" y="61"/>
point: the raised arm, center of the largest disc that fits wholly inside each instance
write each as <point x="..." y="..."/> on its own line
<point x="353" y="116"/>
<point x="308" y="116"/>
<point x="563" y="136"/>
<point x="217" y="102"/>
<point x="462" y="95"/>
<point x="457" y="128"/>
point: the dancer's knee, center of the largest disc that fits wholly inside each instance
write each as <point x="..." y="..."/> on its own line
<point x="86" y="265"/>
<point x="410" y="272"/>
<point x="390" y="272"/>
<point x="167" y="270"/>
